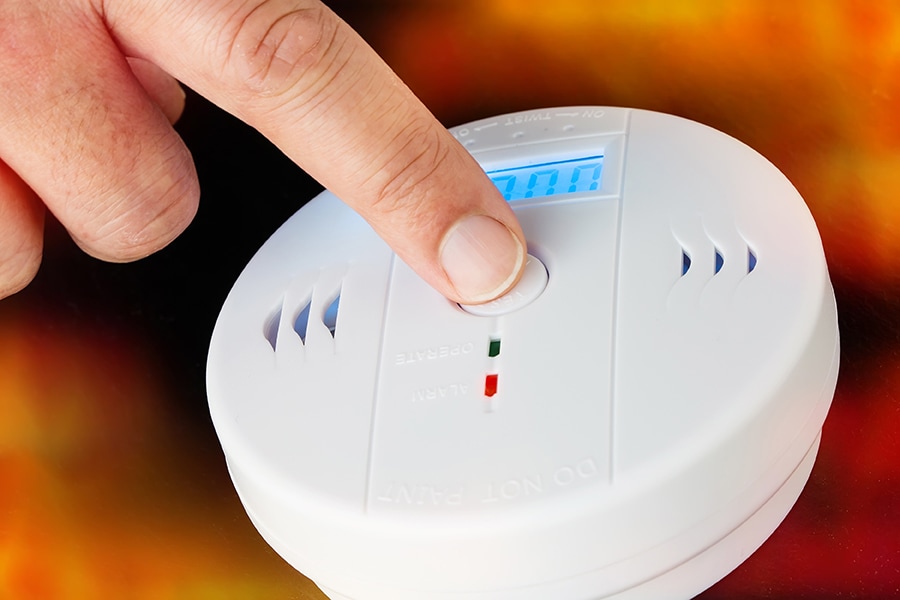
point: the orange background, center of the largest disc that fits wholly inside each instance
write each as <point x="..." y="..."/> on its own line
<point x="112" y="484"/>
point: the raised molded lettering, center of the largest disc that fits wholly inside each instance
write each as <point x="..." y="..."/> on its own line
<point x="433" y="353"/>
<point x="440" y="392"/>
<point x="512" y="489"/>
<point x="413" y="494"/>
<point x="532" y="485"/>
<point x="527" y="118"/>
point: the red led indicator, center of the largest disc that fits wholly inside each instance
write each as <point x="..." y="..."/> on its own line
<point x="490" y="385"/>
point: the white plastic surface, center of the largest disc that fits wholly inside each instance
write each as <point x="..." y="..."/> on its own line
<point x="650" y="418"/>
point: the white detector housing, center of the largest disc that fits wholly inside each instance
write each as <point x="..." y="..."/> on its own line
<point x="632" y="425"/>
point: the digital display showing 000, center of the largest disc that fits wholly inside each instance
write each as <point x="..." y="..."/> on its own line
<point x="549" y="178"/>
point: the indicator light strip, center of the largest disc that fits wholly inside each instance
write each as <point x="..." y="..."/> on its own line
<point x="490" y="380"/>
<point x="490" y="385"/>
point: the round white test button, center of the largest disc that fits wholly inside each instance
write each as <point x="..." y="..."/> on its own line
<point x="530" y="286"/>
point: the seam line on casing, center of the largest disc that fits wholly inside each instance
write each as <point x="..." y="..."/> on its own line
<point x="613" y="355"/>
<point x="376" y="387"/>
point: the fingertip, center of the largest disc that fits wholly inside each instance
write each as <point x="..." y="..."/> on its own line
<point x="20" y="269"/>
<point x="21" y="233"/>
<point x="149" y="217"/>
<point x="482" y="258"/>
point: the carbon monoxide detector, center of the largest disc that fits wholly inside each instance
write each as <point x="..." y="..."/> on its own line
<point x="631" y="421"/>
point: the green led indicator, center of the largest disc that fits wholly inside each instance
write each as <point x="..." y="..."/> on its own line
<point x="494" y="348"/>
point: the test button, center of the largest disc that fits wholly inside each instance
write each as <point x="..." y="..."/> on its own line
<point x="530" y="286"/>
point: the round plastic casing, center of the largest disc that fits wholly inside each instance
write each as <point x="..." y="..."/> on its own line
<point x="635" y="430"/>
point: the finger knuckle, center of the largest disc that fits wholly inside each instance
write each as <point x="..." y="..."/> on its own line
<point x="403" y="186"/>
<point x="274" y="46"/>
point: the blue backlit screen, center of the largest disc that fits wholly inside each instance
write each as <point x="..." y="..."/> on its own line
<point x="549" y="178"/>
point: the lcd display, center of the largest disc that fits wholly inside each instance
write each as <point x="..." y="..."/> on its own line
<point x="549" y="178"/>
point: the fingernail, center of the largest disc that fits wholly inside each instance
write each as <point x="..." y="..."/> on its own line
<point x="482" y="258"/>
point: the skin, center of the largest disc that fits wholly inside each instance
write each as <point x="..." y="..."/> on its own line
<point x="91" y="89"/>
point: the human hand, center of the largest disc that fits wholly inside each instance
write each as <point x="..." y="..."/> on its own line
<point x="91" y="89"/>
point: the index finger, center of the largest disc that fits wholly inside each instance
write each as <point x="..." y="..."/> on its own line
<point x="309" y="83"/>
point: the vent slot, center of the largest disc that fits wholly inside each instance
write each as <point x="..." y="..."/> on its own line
<point x="301" y="323"/>
<point x="331" y="313"/>
<point x="310" y="307"/>
<point x="720" y="260"/>
<point x="751" y="260"/>
<point x="685" y="262"/>
<point x="270" y="328"/>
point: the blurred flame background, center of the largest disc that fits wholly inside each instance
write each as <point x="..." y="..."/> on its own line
<point x="112" y="484"/>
